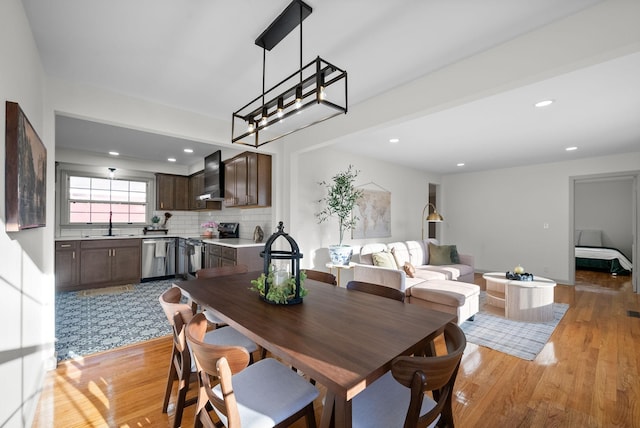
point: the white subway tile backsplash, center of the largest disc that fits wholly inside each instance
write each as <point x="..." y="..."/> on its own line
<point x="187" y="223"/>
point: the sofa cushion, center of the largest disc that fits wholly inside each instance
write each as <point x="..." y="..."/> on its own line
<point x="400" y="252"/>
<point x="443" y="297"/>
<point x="443" y="255"/>
<point x="418" y="252"/>
<point x="384" y="259"/>
<point x="457" y="270"/>
<point x="450" y="293"/>
<point x="367" y="250"/>
<point x="433" y="272"/>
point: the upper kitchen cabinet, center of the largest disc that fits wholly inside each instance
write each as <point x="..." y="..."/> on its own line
<point x="248" y="180"/>
<point x="196" y="188"/>
<point x="172" y="192"/>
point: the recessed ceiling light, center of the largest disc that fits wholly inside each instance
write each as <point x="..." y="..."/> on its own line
<point x="188" y="150"/>
<point x="171" y="159"/>
<point x="114" y="153"/>
<point x="460" y="164"/>
<point x="394" y="140"/>
<point x="544" y="103"/>
<point x="570" y="149"/>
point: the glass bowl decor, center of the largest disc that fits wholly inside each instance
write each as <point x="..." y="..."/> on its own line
<point x="282" y="286"/>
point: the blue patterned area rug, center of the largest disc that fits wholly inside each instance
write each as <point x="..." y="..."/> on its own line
<point x="102" y="319"/>
<point x="520" y="339"/>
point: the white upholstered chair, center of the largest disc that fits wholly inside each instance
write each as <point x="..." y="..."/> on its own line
<point x="182" y="367"/>
<point x="263" y="395"/>
<point x="399" y="399"/>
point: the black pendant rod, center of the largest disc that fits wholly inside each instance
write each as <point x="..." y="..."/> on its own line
<point x="301" y="42"/>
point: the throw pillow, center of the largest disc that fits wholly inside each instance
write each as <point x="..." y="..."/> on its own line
<point x="443" y="255"/>
<point x="384" y="259"/>
<point x="409" y="270"/>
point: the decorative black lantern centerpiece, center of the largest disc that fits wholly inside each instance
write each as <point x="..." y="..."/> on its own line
<point x="282" y="285"/>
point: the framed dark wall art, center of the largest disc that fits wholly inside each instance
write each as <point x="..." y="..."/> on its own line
<point x="25" y="173"/>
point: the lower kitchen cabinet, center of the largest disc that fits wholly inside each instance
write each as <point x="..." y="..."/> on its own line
<point x="221" y="255"/>
<point x="109" y="262"/>
<point x="67" y="265"/>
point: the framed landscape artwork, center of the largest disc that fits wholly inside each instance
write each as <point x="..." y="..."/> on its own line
<point x="25" y="172"/>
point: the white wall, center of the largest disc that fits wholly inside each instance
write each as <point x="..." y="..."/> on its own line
<point x="606" y="205"/>
<point x="26" y="270"/>
<point x="499" y="216"/>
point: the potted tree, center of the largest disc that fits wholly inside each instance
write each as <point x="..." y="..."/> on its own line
<point x="341" y="197"/>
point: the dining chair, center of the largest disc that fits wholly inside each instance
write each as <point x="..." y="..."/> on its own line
<point x="182" y="368"/>
<point x="399" y="398"/>
<point x="378" y="290"/>
<point x="264" y="394"/>
<point x="213" y="272"/>
<point x="318" y="275"/>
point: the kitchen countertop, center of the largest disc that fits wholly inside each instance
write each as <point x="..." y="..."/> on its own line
<point x="230" y="242"/>
<point x="233" y="242"/>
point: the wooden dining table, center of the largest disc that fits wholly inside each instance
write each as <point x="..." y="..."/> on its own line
<point x="343" y="339"/>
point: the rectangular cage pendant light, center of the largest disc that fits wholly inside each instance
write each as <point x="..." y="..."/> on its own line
<point x="314" y="93"/>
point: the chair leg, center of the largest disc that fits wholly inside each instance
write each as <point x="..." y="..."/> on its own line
<point x="183" y="388"/>
<point x="173" y="375"/>
<point x="310" y="416"/>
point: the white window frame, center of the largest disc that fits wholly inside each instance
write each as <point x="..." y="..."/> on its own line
<point x="65" y="199"/>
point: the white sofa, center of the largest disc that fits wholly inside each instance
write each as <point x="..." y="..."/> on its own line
<point x="447" y="288"/>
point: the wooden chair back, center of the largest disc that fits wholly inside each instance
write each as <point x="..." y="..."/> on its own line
<point x="378" y="290"/>
<point x="221" y="271"/>
<point x="318" y="275"/>
<point x="170" y="302"/>
<point x="215" y="363"/>
<point x="435" y="374"/>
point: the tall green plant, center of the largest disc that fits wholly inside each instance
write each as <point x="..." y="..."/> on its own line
<point x="341" y="197"/>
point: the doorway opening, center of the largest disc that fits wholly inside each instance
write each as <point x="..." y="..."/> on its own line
<point x="603" y="230"/>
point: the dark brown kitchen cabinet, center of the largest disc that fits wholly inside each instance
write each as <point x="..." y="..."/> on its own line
<point x="221" y="255"/>
<point x="67" y="257"/>
<point x="172" y="192"/>
<point x="196" y="188"/>
<point x="248" y="180"/>
<point x="109" y="262"/>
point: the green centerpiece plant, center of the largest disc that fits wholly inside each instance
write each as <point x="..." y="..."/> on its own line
<point x="342" y="196"/>
<point x="279" y="294"/>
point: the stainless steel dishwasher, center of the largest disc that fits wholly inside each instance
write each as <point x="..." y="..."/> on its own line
<point x="158" y="257"/>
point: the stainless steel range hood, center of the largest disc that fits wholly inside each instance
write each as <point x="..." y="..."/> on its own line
<point x="213" y="178"/>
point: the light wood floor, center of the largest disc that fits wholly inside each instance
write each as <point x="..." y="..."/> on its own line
<point x="586" y="376"/>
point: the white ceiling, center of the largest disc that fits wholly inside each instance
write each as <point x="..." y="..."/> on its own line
<point x="200" y="56"/>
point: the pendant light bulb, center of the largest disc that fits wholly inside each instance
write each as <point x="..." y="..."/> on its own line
<point x="298" y="96"/>
<point x="265" y="116"/>
<point x="323" y="94"/>
<point x="280" y="108"/>
<point x="112" y="173"/>
<point x="251" y="127"/>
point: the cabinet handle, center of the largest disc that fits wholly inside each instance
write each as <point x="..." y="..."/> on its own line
<point x="109" y="252"/>
<point x="73" y="255"/>
<point x="65" y="245"/>
<point x="113" y="254"/>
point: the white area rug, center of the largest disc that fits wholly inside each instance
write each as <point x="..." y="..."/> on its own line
<point x="520" y="339"/>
